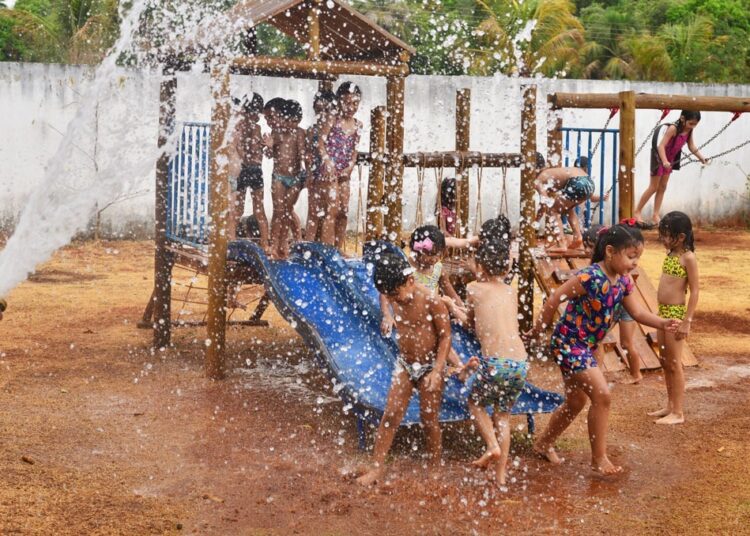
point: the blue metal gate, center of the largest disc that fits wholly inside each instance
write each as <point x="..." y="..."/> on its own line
<point x="579" y="142"/>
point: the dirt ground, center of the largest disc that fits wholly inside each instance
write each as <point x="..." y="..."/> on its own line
<point x="99" y="434"/>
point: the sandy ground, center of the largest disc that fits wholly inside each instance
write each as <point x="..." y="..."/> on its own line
<point x="101" y="435"/>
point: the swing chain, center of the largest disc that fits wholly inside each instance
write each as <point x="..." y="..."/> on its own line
<point x="687" y="159"/>
<point x="419" y="215"/>
<point x="718" y="155"/>
<point x="612" y="113"/>
<point x="478" y="211"/>
<point x="664" y="113"/>
<point x="361" y="214"/>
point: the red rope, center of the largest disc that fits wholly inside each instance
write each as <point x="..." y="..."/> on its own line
<point x="736" y="116"/>
<point x="613" y="111"/>
<point x="664" y="113"/>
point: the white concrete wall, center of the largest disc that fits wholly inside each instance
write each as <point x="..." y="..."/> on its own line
<point x="37" y="102"/>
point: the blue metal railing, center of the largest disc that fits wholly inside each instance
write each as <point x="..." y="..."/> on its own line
<point x="187" y="186"/>
<point x="580" y="142"/>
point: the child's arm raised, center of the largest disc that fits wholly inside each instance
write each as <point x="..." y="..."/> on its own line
<point x="691" y="267"/>
<point x="465" y="315"/>
<point x="442" y="325"/>
<point x="642" y="316"/>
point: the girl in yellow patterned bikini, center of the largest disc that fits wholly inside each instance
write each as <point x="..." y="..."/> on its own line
<point x="679" y="274"/>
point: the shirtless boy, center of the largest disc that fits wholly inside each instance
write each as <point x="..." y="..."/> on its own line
<point x="249" y="146"/>
<point x="424" y="341"/>
<point x="565" y="188"/>
<point x="492" y="312"/>
<point x="287" y="146"/>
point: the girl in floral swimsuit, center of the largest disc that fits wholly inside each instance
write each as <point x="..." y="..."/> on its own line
<point x="338" y="150"/>
<point x="593" y="297"/>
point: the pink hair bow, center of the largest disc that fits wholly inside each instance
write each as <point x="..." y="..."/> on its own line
<point x="601" y="231"/>
<point x="423" y="245"/>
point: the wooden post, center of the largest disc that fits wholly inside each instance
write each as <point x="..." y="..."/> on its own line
<point x="463" y="137"/>
<point x="218" y="193"/>
<point x="554" y="138"/>
<point x="626" y="171"/>
<point x="394" y="185"/>
<point x="374" y="226"/>
<point x="162" y="295"/>
<point x="528" y="176"/>
<point x="313" y="31"/>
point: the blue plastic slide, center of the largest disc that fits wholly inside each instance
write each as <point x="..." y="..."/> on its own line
<point x="333" y="304"/>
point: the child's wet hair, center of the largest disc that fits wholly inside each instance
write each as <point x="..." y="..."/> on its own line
<point x="391" y="272"/>
<point x="348" y="88"/>
<point x="428" y="239"/>
<point x="677" y="222"/>
<point x="582" y="162"/>
<point x="448" y="193"/>
<point x="619" y="237"/>
<point x="685" y="116"/>
<point x="276" y="104"/>
<point x="327" y="97"/>
<point x="495" y="229"/>
<point x="539" y="160"/>
<point x="591" y="235"/>
<point x="291" y="110"/>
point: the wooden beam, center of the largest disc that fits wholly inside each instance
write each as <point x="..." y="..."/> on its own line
<point x="162" y="295"/>
<point x="652" y="101"/>
<point x="528" y="176"/>
<point x="313" y="31"/>
<point x="448" y="159"/>
<point x="394" y="186"/>
<point x="218" y="203"/>
<point x="626" y="171"/>
<point x="265" y="65"/>
<point x="463" y="141"/>
<point x="374" y="225"/>
<point x="554" y="137"/>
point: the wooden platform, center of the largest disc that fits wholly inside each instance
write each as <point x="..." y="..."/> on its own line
<point x="552" y="270"/>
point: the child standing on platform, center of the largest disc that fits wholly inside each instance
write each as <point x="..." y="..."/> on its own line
<point x="324" y="106"/>
<point x="338" y="150"/>
<point x="492" y="312"/>
<point x="424" y="342"/>
<point x="679" y="274"/>
<point x="665" y="158"/>
<point x="287" y="146"/>
<point x="593" y="296"/>
<point x="249" y="146"/>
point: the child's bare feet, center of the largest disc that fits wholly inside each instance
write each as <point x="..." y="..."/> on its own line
<point x="500" y="473"/>
<point x="632" y="379"/>
<point x="485" y="459"/>
<point x="660" y="413"/>
<point x="605" y="467"/>
<point x="371" y="477"/>
<point x="672" y="418"/>
<point x="548" y="453"/>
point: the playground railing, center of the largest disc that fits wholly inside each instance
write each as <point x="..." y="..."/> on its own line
<point x="187" y="188"/>
<point x="601" y="148"/>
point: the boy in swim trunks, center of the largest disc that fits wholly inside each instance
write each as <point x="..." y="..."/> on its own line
<point x="424" y="341"/>
<point x="562" y="189"/>
<point x="287" y="147"/>
<point x="248" y="143"/>
<point x="492" y="312"/>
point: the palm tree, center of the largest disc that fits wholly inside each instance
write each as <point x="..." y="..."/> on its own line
<point x="689" y="46"/>
<point x="527" y="37"/>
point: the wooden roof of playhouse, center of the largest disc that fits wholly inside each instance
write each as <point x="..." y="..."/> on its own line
<point x="344" y="34"/>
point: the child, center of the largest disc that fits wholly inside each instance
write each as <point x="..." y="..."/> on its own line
<point x="338" y="150"/>
<point x="287" y="146"/>
<point x="493" y="314"/>
<point x="446" y="212"/>
<point x="324" y="106"/>
<point x="424" y="342"/>
<point x="679" y="273"/>
<point x="249" y="146"/>
<point x="666" y="157"/>
<point x="628" y="326"/>
<point x="571" y="187"/>
<point x="427" y="245"/>
<point x="594" y="295"/>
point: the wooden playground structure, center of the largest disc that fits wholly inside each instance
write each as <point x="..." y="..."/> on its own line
<point x="367" y="49"/>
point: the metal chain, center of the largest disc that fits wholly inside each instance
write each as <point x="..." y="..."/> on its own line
<point x="687" y="159"/>
<point x="718" y="155"/>
<point x="664" y="114"/>
<point x="612" y="114"/>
